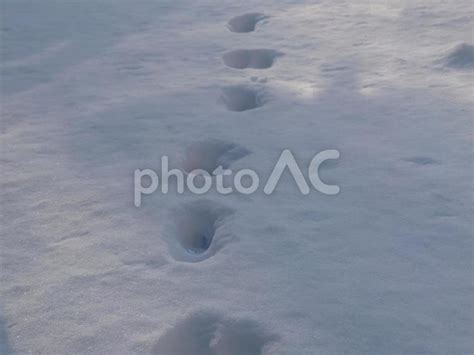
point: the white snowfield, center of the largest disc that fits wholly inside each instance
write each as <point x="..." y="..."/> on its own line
<point x="92" y="90"/>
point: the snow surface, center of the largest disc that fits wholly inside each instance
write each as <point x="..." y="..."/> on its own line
<point x="92" y="90"/>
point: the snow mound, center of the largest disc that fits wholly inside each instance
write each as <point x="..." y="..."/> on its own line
<point x="208" y="333"/>
<point x="250" y="58"/>
<point x="241" y="98"/>
<point x="210" y="154"/>
<point x="196" y="233"/>
<point x="245" y="23"/>
<point x="460" y="57"/>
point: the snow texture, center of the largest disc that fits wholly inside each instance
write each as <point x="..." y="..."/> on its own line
<point x="92" y="90"/>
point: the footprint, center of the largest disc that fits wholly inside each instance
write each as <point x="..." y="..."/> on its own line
<point x="210" y="154"/>
<point x="245" y="23"/>
<point x="460" y="57"/>
<point x="239" y="337"/>
<point x="207" y="333"/>
<point x="422" y="160"/>
<point x="241" y="98"/>
<point x="250" y="58"/>
<point x="197" y="232"/>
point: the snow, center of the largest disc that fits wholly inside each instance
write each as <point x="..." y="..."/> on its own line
<point x="93" y="90"/>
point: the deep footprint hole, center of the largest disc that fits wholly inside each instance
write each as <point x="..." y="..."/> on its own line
<point x="242" y="98"/>
<point x="196" y="227"/>
<point x="245" y="23"/>
<point x="250" y="58"/>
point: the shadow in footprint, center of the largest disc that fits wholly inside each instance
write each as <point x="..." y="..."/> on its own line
<point x="422" y="160"/>
<point x="241" y="98"/>
<point x="207" y="333"/>
<point x="460" y="57"/>
<point x="245" y="23"/>
<point x="210" y="154"/>
<point x="4" y="346"/>
<point x="197" y="232"/>
<point x="239" y="337"/>
<point x="250" y="58"/>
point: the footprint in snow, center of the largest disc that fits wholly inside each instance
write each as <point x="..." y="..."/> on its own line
<point x="197" y="231"/>
<point x="242" y="98"/>
<point x="207" y="333"/>
<point x="210" y="154"/>
<point x="422" y="160"/>
<point x="250" y="58"/>
<point x="460" y="57"/>
<point x="245" y="23"/>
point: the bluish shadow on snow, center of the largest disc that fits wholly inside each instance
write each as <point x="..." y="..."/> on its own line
<point x="212" y="153"/>
<point x="208" y="333"/>
<point x="198" y="230"/>
<point x="4" y="343"/>
<point x="460" y="57"/>
<point x="50" y="50"/>
<point x="245" y="23"/>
